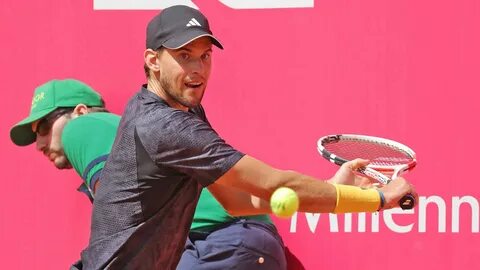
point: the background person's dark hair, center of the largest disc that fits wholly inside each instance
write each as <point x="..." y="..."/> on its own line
<point x="68" y="110"/>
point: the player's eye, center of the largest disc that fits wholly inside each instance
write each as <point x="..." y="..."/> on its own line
<point x="184" y="56"/>
<point x="205" y="56"/>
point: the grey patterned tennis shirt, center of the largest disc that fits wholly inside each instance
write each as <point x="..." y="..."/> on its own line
<point x="143" y="208"/>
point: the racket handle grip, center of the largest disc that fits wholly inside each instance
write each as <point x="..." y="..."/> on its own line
<point x="407" y="202"/>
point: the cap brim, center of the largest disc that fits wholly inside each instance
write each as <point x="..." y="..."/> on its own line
<point x="22" y="134"/>
<point x="192" y="34"/>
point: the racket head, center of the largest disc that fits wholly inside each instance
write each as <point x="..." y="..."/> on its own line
<point x="386" y="156"/>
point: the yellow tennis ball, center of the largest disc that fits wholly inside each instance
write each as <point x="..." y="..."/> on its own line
<point x="284" y="202"/>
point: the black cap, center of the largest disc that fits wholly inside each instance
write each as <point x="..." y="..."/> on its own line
<point x="176" y="26"/>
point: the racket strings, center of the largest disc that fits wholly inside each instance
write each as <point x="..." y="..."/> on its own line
<point x="381" y="154"/>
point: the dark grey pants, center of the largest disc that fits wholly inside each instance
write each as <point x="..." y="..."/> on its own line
<point x="245" y="244"/>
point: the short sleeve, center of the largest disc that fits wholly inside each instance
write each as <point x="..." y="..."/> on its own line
<point x="185" y="143"/>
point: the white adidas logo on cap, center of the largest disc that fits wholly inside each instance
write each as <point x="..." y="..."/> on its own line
<point x="193" y="22"/>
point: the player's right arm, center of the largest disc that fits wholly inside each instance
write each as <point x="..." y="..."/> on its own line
<point x="255" y="177"/>
<point x="188" y="145"/>
<point x="239" y="203"/>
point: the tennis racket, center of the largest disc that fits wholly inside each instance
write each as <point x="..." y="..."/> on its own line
<point x="388" y="159"/>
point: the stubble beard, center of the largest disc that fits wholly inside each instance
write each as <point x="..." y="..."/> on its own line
<point x="166" y="85"/>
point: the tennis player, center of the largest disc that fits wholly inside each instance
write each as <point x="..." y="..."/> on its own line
<point x="165" y="152"/>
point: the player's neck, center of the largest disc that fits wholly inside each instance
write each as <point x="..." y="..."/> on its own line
<point x="155" y="87"/>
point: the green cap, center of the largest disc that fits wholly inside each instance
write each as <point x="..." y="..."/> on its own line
<point x="47" y="98"/>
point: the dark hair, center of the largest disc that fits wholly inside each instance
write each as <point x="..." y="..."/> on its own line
<point x="58" y="112"/>
<point x="65" y="110"/>
<point x="146" y="70"/>
<point x="98" y="109"/>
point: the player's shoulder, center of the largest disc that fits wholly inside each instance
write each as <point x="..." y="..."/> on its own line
<point x="165" y="124"/>
<point x="163" y="116"/>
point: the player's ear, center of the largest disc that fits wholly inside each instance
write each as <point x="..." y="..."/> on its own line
<point x="80" y="109"/>
<point x="151" y="60"/>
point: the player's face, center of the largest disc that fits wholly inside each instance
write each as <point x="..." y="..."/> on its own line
<point x="184" y="72"/>
<point x="49" y="131"/>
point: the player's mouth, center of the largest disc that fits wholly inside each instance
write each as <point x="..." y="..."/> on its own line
<point x="193" y="84"/>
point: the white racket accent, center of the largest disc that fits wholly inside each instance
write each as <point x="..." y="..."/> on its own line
<point x="375" y="175"/>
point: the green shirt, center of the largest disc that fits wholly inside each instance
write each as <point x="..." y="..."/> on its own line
<point x="210" y="213"/>
<point x="87" y="140"/>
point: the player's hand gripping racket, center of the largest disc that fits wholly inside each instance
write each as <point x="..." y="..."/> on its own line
<point x="386" y="157"/>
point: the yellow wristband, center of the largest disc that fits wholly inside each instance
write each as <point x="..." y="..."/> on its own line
<point x="354" y="199"/>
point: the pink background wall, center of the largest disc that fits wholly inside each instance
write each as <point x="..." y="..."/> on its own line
<point x="406" y="70"/>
